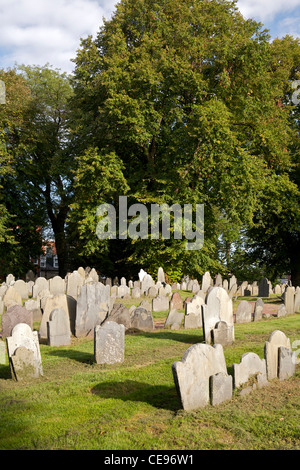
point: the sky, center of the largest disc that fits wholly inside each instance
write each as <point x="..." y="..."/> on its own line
<point x="40" y="32"/>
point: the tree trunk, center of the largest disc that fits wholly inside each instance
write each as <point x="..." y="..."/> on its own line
<point x="295" y="266"/>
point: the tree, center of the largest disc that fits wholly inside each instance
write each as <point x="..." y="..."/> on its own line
<point x="186" y="95"/>
<point x="19" y="237"/>
<point x="45" y="164"/>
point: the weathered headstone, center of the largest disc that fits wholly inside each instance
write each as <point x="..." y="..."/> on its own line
<point x="276" y="340"/>
<point x="92" y="308"/>
<point x="52" y="302"/>
<point x="264" y="288"/>
<point x="160" y="303"/>
<point x="161" y="275"/>
<point x="223" y="333"/>
<point x="14" y="315"/>
<point x="289" y="297"/>
<point x="142" y="319"/>
<point x="74" y="283"/>
<point x="192" y="374"/>
<point x="218" y="307"/>
<point x="281" y="312"/>
<point x="24" y="365"/>
<point x="243" y="312"/>
<point x="12" y="297"/>
<point x="21" y="287"/>
<point x="109" y="343"/>
<point x="136" y="293"/>
<point x="297" y="300"/>
<point x="119" y="314"/>
<point x="220" y="386"/>
<point x="41" y="283"/>
<point x="56" y="285"/>
<point x="174" y="319"/>
<point x="176" y="302"/>
<point x="286" y="363"/>
<point x="193" y="313"/>
<point x="258" y="310"/>
<point x="251" y="367"/>
<point x="206" y="281"/>
<point x="58" y="328"/>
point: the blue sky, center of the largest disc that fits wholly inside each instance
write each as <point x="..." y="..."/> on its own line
<point x="36" y="32"/>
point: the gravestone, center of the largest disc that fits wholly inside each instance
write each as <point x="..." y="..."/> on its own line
<point x="220" y="388"/>
<point x="193" y="313"/>
<point x="119" y="314"/>
<point x="276" y="340"/>
<point x="142" y="319"/>
<point x="192" y="374"/>
<point x="160" y="303"/>
<point x="146" y="283"/>
<point x="255" y="289"/>
<point x="289" y="297"/>
<point x="264" y="288"/>
<point x="232" y="282"/>
<point x="10" y="279"/>
<point x="146" y="305"/>
<point x="286" y="363"/>
<point x="176" y="302"/>
<point x="218" y="281"/>
<point x="74" y="283"/>
<point x="297" y="300"/>
<point x="243" y="312"/>
<point x="23" y="337"/>
<point x="152" y="292"/>
<point x="223" y="333"/>
<point x="58" y="328"/>
<point x="218" y="307"/>
<point x="93" y="305"/>
<point x="136" y="293"/>
<point x="14" y="315"/>
<point x="174" y="319"/>
<point x="41" y="283"/>
<point x="206" y="281"/>
<point x="161" y="275"/>
<point x="109" y="343"/>
<point x="258" y="309"/>
<point x="57" y="285"/>
<point x="12" y="297"/>
<point x="52" y="302"/>
<point x="281" y="312"/>
<point x="21" y="287"/>
<point x="250" y="367"/>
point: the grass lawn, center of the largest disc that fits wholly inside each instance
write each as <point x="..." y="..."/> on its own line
<point x="81" y="405"/>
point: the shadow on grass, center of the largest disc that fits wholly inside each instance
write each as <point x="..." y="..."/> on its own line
<point x="177" y="335"/>
<point x="79" y="356"/>
<point x="159" y="396"/>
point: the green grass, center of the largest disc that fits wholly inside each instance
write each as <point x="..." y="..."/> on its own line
<point x="78" y="404"/>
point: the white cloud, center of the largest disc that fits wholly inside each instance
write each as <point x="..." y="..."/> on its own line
<point x="266" y="10"/>
<point x="48" y="31"/>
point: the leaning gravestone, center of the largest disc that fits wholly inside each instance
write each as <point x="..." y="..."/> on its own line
<point x="14" y="315"/>
<point x="92" y="308"/>
<point x="119" y="314"/>
<point x="24" y="364"/>
<point x="192" y="374"/>
<point x="58" y="328"/>
<point x="276" y="340"/>
<point x="109" y="343"/>
<point x="174" y="319"/>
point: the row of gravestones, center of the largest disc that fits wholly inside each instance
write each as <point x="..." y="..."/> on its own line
<point x="201" y="376"/>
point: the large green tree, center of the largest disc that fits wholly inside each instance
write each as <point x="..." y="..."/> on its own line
<point x="188" y="96"/>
